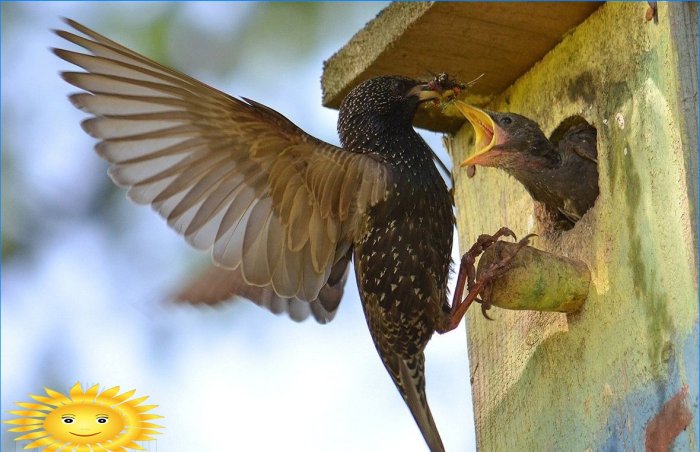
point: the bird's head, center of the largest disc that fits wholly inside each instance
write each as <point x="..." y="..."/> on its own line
<point x="508" y="141"/>
<point x="385" y="104"/>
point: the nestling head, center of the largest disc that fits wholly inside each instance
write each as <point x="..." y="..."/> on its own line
<point x="508" y="141"/>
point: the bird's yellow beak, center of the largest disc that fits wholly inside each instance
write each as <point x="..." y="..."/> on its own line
<point x="427" y="91"/>
<point x="485" y="130"/>
<point x="426" y="94"/>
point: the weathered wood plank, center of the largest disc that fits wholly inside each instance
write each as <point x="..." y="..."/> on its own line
<point x="684" y="28"/>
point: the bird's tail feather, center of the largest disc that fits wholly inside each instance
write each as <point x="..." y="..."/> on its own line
<point x="411" y="382"/>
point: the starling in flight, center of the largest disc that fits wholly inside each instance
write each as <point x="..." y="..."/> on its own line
<point x="282" y="211"/>
<point x="561" y="172"/>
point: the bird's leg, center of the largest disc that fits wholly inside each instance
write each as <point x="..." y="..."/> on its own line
<point x="467" y="276"/>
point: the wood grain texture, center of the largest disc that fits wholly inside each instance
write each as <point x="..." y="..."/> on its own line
<point x="684" y="28"/>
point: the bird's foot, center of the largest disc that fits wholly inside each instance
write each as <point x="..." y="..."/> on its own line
<point x="481" y="287"/>
<point x="484" y="283"/>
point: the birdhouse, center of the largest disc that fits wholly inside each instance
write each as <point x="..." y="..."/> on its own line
<point x="621" y="373"/>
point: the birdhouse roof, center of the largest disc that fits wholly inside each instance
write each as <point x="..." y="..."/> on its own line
<point x="500" y="40"/>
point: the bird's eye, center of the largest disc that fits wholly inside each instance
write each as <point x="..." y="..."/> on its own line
<point x="68" y="420"/>
<point x="506" y="120"/>
<point x="102" y="420"/>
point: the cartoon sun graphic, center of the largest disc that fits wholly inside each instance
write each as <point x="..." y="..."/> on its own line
<point x="87" y="421"/>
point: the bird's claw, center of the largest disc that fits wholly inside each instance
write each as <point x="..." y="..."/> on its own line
<point x="483" y="300"/>
<point x="485" y="307"/>
<point x="504" y="231"/>
<point x="467" y="277"/>
<point x="484" y="241"/>
<point x="496" y="270"/>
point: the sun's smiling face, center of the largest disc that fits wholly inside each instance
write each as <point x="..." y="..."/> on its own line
<point x="88" y="420"/>
<point x="84" y="424"/>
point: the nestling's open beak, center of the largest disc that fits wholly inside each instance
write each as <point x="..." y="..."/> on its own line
<point x="488" y="135"/>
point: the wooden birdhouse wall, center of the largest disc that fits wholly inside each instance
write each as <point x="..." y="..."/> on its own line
<point x="621" y="374"/>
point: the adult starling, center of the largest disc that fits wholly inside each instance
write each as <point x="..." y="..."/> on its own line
<point x="561" y="172"/>
<point x="282" y="209"/>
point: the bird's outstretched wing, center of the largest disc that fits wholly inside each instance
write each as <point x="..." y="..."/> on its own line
<point x="230" y="175"/>
<point x="215" y="285"/>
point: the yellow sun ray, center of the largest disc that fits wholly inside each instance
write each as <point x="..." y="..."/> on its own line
<point x="144" y="408"/>
<point x="151" y="416"/>
<point x="34" y="406"/>
<point x="57" y="396"/>
<point x="40" y="443"/>
<point x="46" y="400"/>
<point x="85" y="421"/>
<point x="28" y="413"/>
<point x="24" y="421"/>
<point x="107" y="394"/>
<point x="121" y="397"/>
<point x="139" y="401"/>
<point x="26" y="428"/>
<point x="33" y="435"/>
<point x="149" y="425"/>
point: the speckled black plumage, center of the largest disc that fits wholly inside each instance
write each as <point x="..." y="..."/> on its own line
<point x="402" y="259"/>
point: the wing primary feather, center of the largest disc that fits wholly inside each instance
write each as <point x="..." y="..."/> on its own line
<point x="120" y="52"/>
<point x="204" y="187"/>
<point x="115" y="128"/>
<point x="107" y="66"/>
<point x="275" y="245"/>
<point x="239" y="205"/>
<point x="219" y="198"/>
<point x="255" y="267"/>
<point x="189" y="171"/>
<point x="131" y="152"/>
